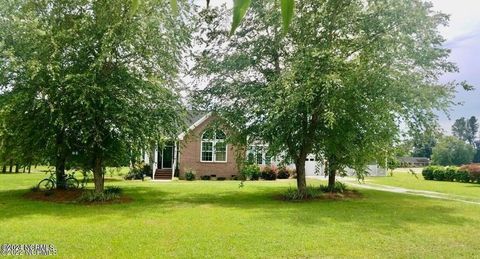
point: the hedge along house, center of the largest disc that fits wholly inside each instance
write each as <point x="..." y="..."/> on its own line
<point x="202" y="149"/>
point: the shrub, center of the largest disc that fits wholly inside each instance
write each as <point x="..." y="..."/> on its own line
<point x="269" y="173"/>
<point x="293" y="173"/>
<point x="462" y="176"/>
<point x="311" y="193"/>
<point x="113" y="190"/>
<point x="190" y="175"/>
<point x="473" y="171"/>
<point x="439" y="173"/>
<point x="450" y="173"/>
<point x="221" y="178"/>
<point x="235" y="177"/>
<point x="283" y="173"/>
<point x="205" y="177"/>
<point x="107" y="195"/>
<point x="250" y="172"/>
<point x="427" y="172"/>
<point x="134" y="174"/>
<point x="34" y="188"/>
<point x="147" y="170"/>
<point x="339" y="187"/>
<point x="139" y="171"/>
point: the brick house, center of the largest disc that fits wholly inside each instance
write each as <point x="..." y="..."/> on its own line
<point x="202" y="149"/>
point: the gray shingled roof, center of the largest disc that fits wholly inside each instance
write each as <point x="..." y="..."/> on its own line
<point x="194" y="116"/>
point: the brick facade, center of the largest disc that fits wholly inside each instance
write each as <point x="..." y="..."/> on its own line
<point x="190" y="152"/>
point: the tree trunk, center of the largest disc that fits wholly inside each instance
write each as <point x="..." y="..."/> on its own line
<point x="331" y="175"/>
<point x="11" y="167"/>
<point x="300" y="167"/>
<point x="29" y="168"/>
<point x="16" y="168"/>
<point x="4" y="169"/>
<point x="60" y="161"/>
<point x="98" y="174"/>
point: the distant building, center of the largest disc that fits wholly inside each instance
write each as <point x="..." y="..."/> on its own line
<point x="414" y="161"/>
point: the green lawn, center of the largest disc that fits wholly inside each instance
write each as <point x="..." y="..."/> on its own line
<point x="407" y="180"/>
<point x="218" y="219"/>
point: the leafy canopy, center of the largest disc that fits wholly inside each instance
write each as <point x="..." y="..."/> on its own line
<point x="94" y="80"/>
<point x="339" y="84"/>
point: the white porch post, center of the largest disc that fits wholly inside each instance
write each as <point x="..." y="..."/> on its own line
<point x="155" y="162"/>
<point x="146" y="159"/>
<point x="174" y="165"/>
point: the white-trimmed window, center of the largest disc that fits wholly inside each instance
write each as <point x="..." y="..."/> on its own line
<point x="214" y="147"/>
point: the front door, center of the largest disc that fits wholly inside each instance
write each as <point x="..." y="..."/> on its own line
<point x="167" y="157"/>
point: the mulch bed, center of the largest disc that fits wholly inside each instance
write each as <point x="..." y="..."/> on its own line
<point x="69" y="196"/>
<point x="347" y="195"/>
<point x="354" y="194"/>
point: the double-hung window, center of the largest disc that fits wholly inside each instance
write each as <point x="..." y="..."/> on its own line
<point x="214" y="147"/>
<point x="258" y="154"/>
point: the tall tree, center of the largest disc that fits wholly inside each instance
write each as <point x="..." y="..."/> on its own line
<point x="466" y="130"/>
<point x="99" y="76"/>
<point x="424" y="142"/>
<point x="459" y="129"/>
<point x="452" y="151"/>
<point x="339" y="83"/>
<point x="472" y="129"/>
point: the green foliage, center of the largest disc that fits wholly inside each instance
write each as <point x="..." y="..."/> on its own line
<point x="473" y="171"/>
<point x="34" y="188"/>
<point x="89" y="82"/>
<point x="283" y="173"/>
<point x="268" y="173"/>
<point x="466" y="129"/>
<point x="138" y="171"/>
<point x="451" y="173"/>
<point x="476" y="158"/>
<point x="221" y="178"/>
<point x="287" y="7"/>
<point x="452" y="151"/>
<point x="427" y="172"/>
<point x="423" y="143"/>
<point x="339" y="187"/>
<point x="147" y="170"/>
<point x="109" y="194"/>
<point x="311" y="192"/>
<point x="240" y="7"/>
<point x="464" y="174"/>
<point x="113" y="190"/>
<point x="327" y="91"/>
<point x="250" y="172"/>
<point x="439" y="174"/>
<point x="190" y="175"/>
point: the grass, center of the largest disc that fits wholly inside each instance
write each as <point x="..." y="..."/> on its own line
<point x="219" y="219"/>
<point x="407" y="180"/>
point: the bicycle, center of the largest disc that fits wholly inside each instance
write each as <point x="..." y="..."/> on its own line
<point x="49" y="183"/>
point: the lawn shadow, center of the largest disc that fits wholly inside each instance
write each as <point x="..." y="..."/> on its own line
<point x="472" y="185"/>
<point x="394" y="210"/>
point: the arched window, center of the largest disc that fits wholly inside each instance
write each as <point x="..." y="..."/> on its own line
<point x="214" y="148"/>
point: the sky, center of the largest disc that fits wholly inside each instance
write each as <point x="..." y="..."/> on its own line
<point x="463" y="38"/>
